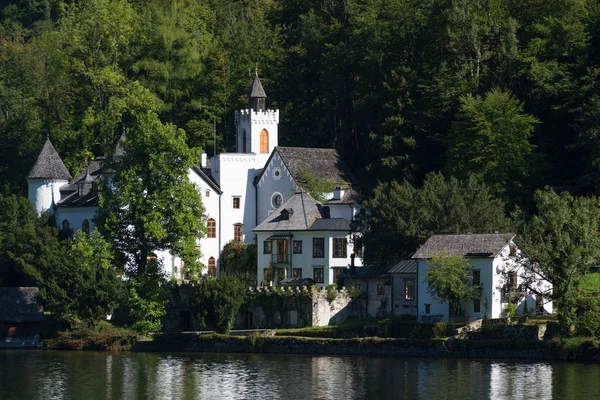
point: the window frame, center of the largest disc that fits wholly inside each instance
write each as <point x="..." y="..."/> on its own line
<point x="267" y="247"/>
<point x="85" y="226"/>
<point x="409" y="290"/>
<point x="212" y="266"/>
<point x="236" y="202"/>
<point x="380" y="289"/>
<point x="319" y="272"/>
<point x="264" y="141"/>
<point x="318" y="244"/>
<point x="340" y="247"/>
<point x="211" y="228"/>
<point x="238" y="232"/>
<point x="297" y="246"/>
<point x="295" y="273"/>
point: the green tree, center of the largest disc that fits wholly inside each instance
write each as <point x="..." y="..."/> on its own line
<point x="149" y="204"/>
<point x="490" y="139"/>
<point x="400" y="217"/>
<point x="147" y="298"/>
<point x="216" y="301"/>
<point x="448" y="280"/>
<point x="317" y="186"/>
<point x="561" y="241"/>
<point x="239" y="259"/>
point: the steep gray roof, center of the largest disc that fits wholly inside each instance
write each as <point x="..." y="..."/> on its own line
<point x="321" y="163"/>
<point x="80" y="191"/>
<point x="408" y="266"/>
<point x="256" y="90"/>
<point x="481" y="245"/>
<point x="306" y="211"/>
<point x="18" y="304"/>
<point x="49" y="165"/>
<point x="351" y="196"/>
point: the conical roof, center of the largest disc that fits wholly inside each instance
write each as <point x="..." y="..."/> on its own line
<point x="256" y="90"/>
<point x="49" y="165"/>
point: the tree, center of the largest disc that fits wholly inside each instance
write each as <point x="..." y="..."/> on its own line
<point x="149" y="204"/>
<point x="490" y="139"/>
<point x="216" y="301"/>
<point x="238" y="259"/>
<point x="84" y="285"/>
<point x="400" y="217"/>
<point x="317" y="186"/>
<point x="448" y="279"/>
<point x="561" y="241"/>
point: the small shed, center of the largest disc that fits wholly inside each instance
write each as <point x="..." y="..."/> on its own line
<point x="20" y="317"/>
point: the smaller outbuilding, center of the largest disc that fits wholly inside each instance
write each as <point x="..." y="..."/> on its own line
<point x="20" y="317"/>
<point x="495" y="265"/>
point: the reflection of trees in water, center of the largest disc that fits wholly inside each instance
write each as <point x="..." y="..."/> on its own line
<point x="75" y="375"/>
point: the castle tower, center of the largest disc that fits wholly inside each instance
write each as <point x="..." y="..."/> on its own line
<point x="46" y="178"/>
<point x="257" y="126"/>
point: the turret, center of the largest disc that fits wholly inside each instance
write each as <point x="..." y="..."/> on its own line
<point x="257" y="126"/>
<point x="46" y="178"/>
<point x="257" y="98"/>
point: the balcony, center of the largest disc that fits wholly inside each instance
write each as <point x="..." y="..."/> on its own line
<point x="280" y="258"/>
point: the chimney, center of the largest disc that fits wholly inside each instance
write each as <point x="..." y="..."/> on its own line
<point x="203" y="158"/>
<point x="352" y="266"/>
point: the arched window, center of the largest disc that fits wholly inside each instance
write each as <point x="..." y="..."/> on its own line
<point x="244" y="141"/>
<point x="85" y="226"/>
<point x="212" y="267"/>
<point x="264" y="141"/>
<point x="237" y="232"/>
<point x="211" y="226"/>
<point x="66" y="226"/>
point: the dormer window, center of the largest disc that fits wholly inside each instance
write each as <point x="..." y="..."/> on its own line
<point x="285" y="214"/>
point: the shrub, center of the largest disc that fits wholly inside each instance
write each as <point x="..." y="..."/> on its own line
<point x="509" y="310"/>
<point x="441" y="329"/>
<point x="331" y="292"/>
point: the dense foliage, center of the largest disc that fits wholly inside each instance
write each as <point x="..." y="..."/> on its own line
<point x="216" y="301"/>
<point x="239" y="259"/>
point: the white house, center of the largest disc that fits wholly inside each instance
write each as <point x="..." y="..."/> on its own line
<point x="300" y="239"/>
<point x="239" y="189"/>
<point x="494" y="261"/>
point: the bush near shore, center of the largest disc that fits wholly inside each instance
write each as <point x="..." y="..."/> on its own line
<point x="103" y="336"/>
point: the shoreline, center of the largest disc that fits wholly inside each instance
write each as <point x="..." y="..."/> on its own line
<point x="453" y="348"/>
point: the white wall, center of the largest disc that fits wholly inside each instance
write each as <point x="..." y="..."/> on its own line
<point x="270" y="184"/>
<point x="43" y="193"/>
<point x="253" y="122"/>
<point x="306" y="260"/>
<point x="75" y="216"/>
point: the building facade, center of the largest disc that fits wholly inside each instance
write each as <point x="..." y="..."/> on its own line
<point x="239" y="189"/>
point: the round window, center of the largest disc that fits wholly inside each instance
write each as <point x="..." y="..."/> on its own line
<point x="276" y="173"/>
<point x="276" y="200"/>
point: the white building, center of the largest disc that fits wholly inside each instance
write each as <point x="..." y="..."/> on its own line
<point x="239" y="190"/>
<point x="494" y="261"/>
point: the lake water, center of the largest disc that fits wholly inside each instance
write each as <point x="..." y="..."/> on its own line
<point x="90" y="375"/>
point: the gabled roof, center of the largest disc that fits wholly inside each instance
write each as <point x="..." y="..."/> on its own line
<point x="408" y="266"/>
<point x="256" y="90"/>
<point x="306" y="211"/>
<point x="482" y="245"/>
<point x="205" y="175"/>
<point x="17" y="304"/>
<point x="80" y="192"/>
<point x="321" y="163"/>
<point x="49" y="165"/>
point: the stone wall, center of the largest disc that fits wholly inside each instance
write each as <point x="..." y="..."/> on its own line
<point x="271" y="307"/>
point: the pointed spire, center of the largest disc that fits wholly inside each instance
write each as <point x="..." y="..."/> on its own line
<point x="49" y="165"/>
<point x="257" y="96"/>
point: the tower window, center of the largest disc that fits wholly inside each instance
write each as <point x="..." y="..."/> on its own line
<point x="264" y="141"/>
<point x="85" y="226"/>
<point x="211" y="226"/>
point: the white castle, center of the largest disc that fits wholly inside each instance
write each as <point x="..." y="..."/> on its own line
<point x="252" y="195"/>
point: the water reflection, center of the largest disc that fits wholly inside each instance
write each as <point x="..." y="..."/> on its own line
<point x="74" y="375"/>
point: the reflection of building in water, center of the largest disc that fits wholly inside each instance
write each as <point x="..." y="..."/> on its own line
<point x="520" y="381"/>
<point x="338" y="377"/>
<point x="447" y="378"/>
